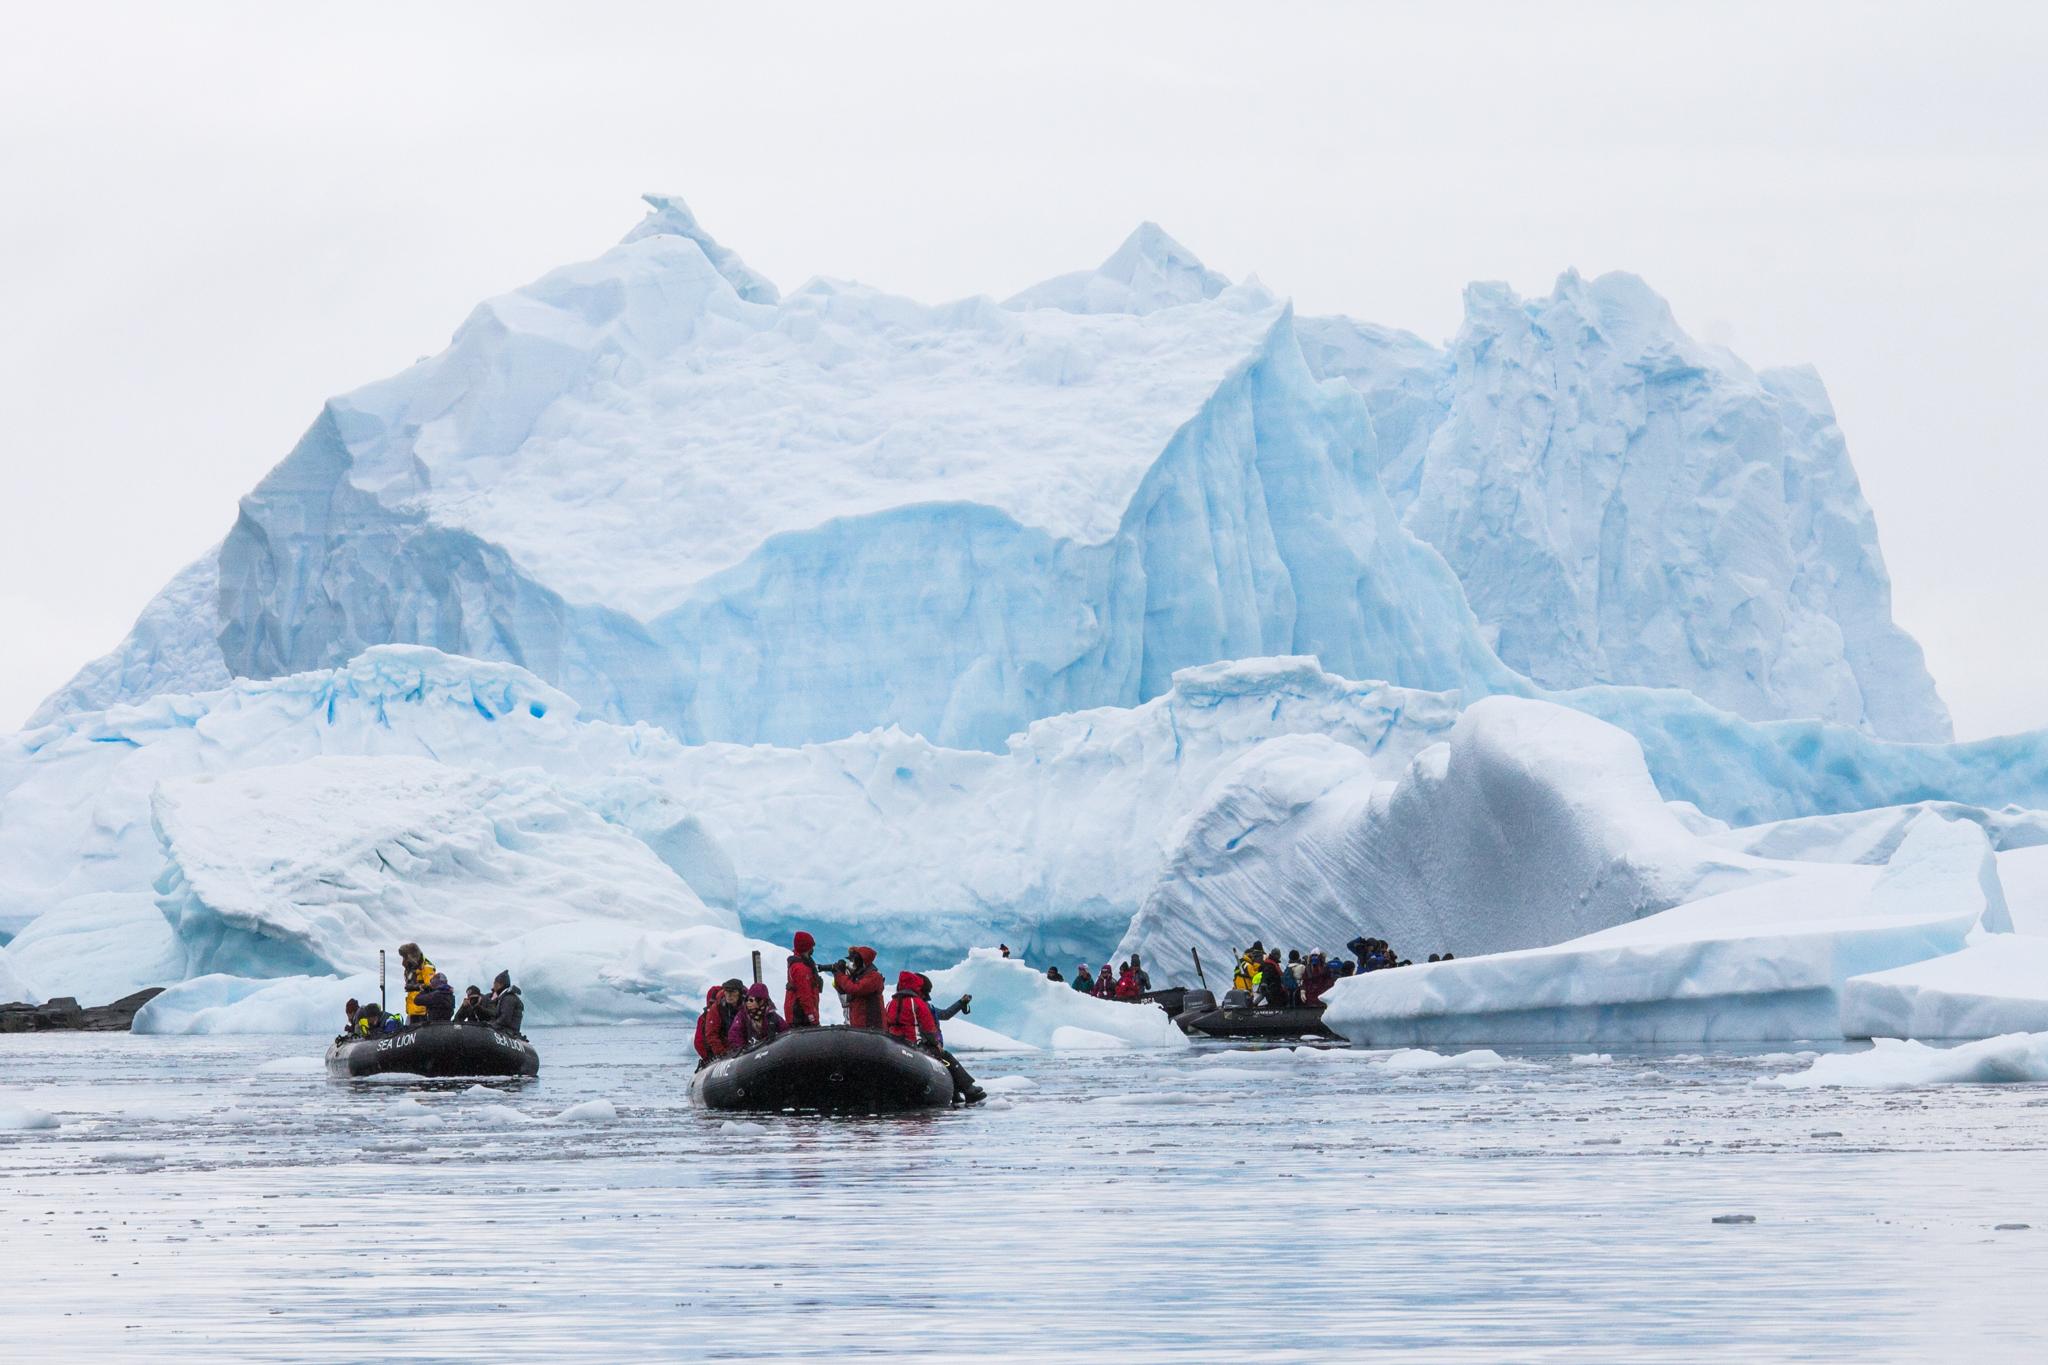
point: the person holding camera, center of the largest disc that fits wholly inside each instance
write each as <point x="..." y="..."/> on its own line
<point x="859" y="986"/>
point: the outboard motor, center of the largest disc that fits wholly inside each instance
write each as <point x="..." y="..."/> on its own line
<point x="1237" y="1000"/>
<point x="1193" y="1006"/>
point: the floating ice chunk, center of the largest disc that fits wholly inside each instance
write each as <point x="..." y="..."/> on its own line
<point x="1015" y="999"/>
<point x="1008" y="1085"/>
<point x="743" y="1126"/>
<point x="1067" y="1038"/>
<point x="964" y="1035"/>
<point x="1147" y="1099"/>
<point x="1898" y="1064"/>
<point x="1592" y="1059"/>
<point x="21" y="1118"/>
<point x="590" y="1111"/>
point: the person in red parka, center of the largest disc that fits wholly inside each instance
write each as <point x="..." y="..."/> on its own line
<point x="1316" y="980"/>
<point x="721" y="1006"/>
<point x="860" y="987"/>
<point x="908" y="1018"/>
<point x="1127" y="984"/>
<point x="800" y="997"/>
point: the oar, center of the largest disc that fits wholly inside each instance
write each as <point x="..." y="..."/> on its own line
<point x="757" y="966"/>
<point x="383" y="996"/>
<point x="1198" y="968"/>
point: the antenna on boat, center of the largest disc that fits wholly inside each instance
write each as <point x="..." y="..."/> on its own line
<point x="383" y="998"/>
<point x="757" y="966"/>
<point x="1198" y="968"/>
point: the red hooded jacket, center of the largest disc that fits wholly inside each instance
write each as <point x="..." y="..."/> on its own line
<point x="1127" y="986"/>
<point x="800" y="997"/>
<point x="860" y="990"/>
<point x="909" y="1019"/>
<point x="711" y="1027"/>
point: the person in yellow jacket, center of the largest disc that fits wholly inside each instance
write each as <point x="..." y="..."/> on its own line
<point x="418" y="972"/>
<point x="1247" y="976"/>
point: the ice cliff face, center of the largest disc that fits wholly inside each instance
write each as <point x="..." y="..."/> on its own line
<point x="1626" y="505"/>
<point x="685" y="498"/>
<point x="796" y="521"/>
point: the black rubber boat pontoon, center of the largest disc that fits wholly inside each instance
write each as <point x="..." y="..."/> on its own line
<point x="435" y="1050"/>
<point x="834" y="1070"/>
<point x="1237" y="1017"/>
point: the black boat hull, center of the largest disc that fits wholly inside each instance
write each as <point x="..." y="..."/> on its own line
<point x="1232" y="1022"/>
<point x="825" y="1071"/>
<point x="435" y="1050"/>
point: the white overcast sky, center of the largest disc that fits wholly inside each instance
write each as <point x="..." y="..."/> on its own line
<point x="214" y="216"/>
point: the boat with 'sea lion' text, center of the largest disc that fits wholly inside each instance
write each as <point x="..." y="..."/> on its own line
<point x="434" y="1050"/>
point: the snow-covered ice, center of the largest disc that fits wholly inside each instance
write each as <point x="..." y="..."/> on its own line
<point x="1528" y="824"/>
<point x="1015" y="1000"/>
<point x="1997" y="984"/>
<point x="1769" y="960"/>
<point x="1900" y="1064"/>
<point x="1627" y="505"/>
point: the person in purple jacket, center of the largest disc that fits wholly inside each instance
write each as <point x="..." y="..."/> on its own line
<point x="755" y="1021"/>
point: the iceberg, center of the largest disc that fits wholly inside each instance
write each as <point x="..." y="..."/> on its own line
<point x="97" y="947"/>
<point x="313" y="866"/>
<point x="14" y="986"/>
<point x="1625" y="505"/>
<point x="1997" y="984"/>
<point x="684" y="497"/>
<point x="1767" y="961"/>
<point x="220" y="1003"/>
<point x="1052" y="845"/>
<point x="1526" y="824"/>
<point x="2023" y="872"/>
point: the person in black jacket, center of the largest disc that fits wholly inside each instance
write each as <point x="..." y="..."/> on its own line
<point x="438" y="999"/>
<point x="470" y="1011"/>
<point x="505" y="1010"/>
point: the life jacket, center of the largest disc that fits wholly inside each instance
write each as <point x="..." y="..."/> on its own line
<point x="908" y="1018"/>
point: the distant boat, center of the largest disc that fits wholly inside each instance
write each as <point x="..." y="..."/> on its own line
<point x="1238" y="1017"/>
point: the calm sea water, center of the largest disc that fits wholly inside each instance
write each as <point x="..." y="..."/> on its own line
<point x="1138" y="1205"/>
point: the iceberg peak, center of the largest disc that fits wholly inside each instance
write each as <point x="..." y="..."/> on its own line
<point x="669" y="216"/>
<point x="1148" y="272"/>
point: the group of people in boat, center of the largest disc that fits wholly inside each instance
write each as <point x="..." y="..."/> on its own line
<point x="429" y="999"/>
<point x="737" y="1016"/>
<point x="1303" y="979"/>
<point x="1127" y="981"/>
